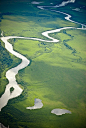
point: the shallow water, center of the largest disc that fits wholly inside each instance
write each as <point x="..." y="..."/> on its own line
<point x="60" y="111"/>
<point x="38" y="104"/>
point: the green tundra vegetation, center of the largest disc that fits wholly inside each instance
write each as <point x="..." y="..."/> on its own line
<point x="56" y="74"/>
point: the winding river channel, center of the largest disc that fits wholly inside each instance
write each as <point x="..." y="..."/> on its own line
<point x="11" y="74"/>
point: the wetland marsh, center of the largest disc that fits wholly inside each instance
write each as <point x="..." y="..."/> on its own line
<point x="56" y="73"/>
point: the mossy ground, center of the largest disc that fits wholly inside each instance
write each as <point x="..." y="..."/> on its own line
<point x="56" y="75"/>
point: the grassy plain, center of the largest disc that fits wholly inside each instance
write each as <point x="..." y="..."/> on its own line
<point x="56" y="75"/>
